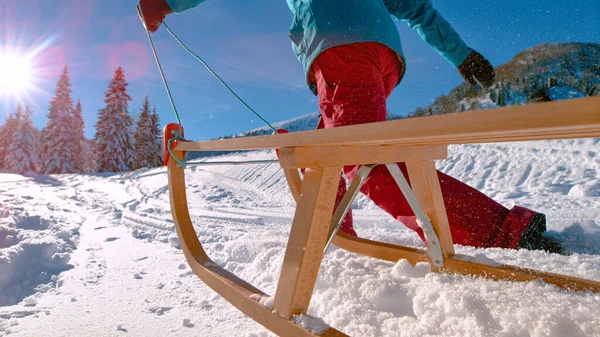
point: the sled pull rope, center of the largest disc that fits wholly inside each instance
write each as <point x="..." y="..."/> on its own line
<point x="201" y="61"/>
<point x="160" y="70"/>
<point x="177" y="136"/>
<point x="217" y="76"/>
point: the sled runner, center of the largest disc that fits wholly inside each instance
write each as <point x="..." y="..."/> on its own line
<point x="322" y="153"/>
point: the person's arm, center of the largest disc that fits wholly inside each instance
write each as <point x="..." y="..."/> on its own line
<point x="439" y="34"/>
<point x="432" y="27"/>
<point x="153" y="12"/>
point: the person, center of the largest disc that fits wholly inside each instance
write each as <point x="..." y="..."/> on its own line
<point x="352" y="57"/>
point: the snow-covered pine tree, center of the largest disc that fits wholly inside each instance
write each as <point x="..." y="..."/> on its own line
<point x="91" y="165"/>
<point x="114" y="128"/>
<point x="23" y="155"/>
<point x="41" y="147"/>
<point x="38" y="146"/>
<point x="156" y="132"/>
<point x="58" y="145"/>
<point x="7" y="134"/>
<point x="144" y="143"/>
<point x="83" y="155"/>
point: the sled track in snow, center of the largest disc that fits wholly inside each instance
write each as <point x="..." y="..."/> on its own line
<point x="161" y="223"/>
<point x="242" y="189"/>
<point x="258" y="182"/>
<point x="146" y="222"/>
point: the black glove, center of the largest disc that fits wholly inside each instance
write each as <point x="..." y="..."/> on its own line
<point x="477" y="67"/>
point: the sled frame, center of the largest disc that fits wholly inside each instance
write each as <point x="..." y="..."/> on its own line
<point x="322" y="153"/>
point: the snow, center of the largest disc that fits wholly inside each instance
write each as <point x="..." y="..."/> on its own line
<point x="312" y="324"/>
<point x="32" y="250"/>
<point x="96" y="255"/>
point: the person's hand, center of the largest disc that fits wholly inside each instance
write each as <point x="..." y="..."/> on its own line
<point x="476" y="69"/>
<point x="153" y="13"/>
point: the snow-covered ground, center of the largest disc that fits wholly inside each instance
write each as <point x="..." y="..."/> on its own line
<point x="95" y="255"/>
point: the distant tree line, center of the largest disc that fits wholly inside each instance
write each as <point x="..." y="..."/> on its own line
<point x="61" y="146"/>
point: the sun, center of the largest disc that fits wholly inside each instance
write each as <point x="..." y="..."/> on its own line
<point x="16" y="74"/>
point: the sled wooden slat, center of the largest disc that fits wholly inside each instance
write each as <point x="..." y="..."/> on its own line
<point x="294" y="181"/>
<point x="456" y="265"/>
<point x="322" y="156"/>
<point x="233" y="289"/>
<point x="307" y="241"/>
<point x="380" y="250"/>
<point x="576" y="118"/>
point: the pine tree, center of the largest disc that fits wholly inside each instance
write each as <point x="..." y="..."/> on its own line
<point x="493" y="95"/>
<point x="144" y="144"/>
<point x="501" y="99"/>
<point x="58" y="144"/>
<point x="23" y="155"/>
<point x="91" y="165"/>
<point x="507" y="94"/>
<point x="7" y="135"/>
<point x="156" y="132"/>
<point x="82" y="155"/>
<point x="38" y="146"/>
<point x="114" y="128"/>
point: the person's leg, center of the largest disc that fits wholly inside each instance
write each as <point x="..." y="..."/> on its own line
<point x="475" y="219"/>
<point x="350" y="85"/>
<point x="351" y="91"/>
<point x="353" y="84"/>
<point x="347" y="225"/>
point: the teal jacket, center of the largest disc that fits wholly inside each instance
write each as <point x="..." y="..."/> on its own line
<point x="322" y="24"/>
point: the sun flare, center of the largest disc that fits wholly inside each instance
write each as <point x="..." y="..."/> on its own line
<point x="16" y="74"/>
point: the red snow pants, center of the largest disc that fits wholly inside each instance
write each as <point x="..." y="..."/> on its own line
<point x="353" y="84"/>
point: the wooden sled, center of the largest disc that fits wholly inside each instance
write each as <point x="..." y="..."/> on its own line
<point x="417" y="142"/>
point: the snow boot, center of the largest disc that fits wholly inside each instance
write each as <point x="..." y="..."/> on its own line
<point x="535" y="237"/>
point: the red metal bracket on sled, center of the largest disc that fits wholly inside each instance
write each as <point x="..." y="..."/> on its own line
<point x="169" y="132"/>
<point x="279" y="131"/>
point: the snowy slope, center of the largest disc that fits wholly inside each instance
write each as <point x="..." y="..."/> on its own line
<point x="523" y="79"/>
<point x="95" y="255"/>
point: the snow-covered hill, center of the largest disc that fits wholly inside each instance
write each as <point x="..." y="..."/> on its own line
<point x="574" y="65"/>
<point x="95" y="255"/>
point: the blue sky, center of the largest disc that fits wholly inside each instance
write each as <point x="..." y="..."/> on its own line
<point x="246" y="43"/>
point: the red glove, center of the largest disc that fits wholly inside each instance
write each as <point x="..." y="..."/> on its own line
<point x="153" y="13"/>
